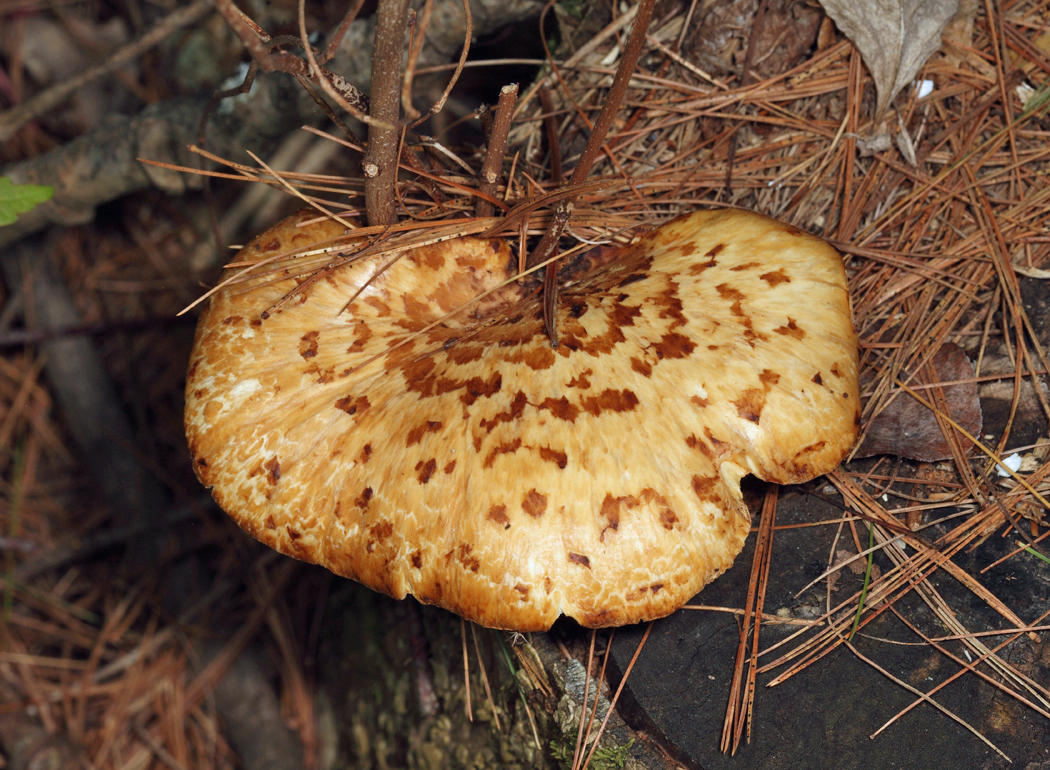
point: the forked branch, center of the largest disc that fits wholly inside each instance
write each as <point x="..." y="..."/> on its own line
<point x="267" y="54"/>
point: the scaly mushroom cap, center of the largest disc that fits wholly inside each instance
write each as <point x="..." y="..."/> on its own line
<point x="481" y="469"/>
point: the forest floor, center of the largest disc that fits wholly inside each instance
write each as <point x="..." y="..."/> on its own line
<point x="899" y="605"/>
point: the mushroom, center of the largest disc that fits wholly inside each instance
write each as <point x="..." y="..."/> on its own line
<point x="465" y="460"/>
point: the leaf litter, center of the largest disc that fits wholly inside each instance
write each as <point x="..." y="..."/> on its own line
<point x="931" y="248"/>
<point x="895" y="37"/>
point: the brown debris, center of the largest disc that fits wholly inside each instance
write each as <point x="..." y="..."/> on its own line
<point x="907" y="428"/>
<point x="929" y="253"/>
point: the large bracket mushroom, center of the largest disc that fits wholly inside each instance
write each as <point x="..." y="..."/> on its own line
<point x="468" y="462"/>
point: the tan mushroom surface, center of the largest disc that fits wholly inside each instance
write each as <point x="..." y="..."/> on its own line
<point x="480" y="468"/>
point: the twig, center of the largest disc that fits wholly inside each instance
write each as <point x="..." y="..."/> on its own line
<point x="582" y="53"/>
<point x="551" y="128"/>
<point x="583" y="736"/>
<point x="58" y="94"/>
<point x="262" y="48"/>
<point x="497" y="146"/>
<point x="418" y="22"/>
<point x="336" y="38"/>
<point x="742" y="691"/>
<point x="468" y="33"/>
<point x="485" y="678"/>
<point x="466" y="669"/>
<point x="577" y="753"/>
<point x="345" y="94"/>
<point x="616" y="695"/>
<point x="925" y="698"/>
<point x="380" y="163"/>
<point x="549" y="242"/>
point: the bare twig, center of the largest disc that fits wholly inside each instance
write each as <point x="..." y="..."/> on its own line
<point x="380" y="163"/>
<point x="345" y="94"/>
<point x="468" y="33"/>
<point x="340" y="31"/>
<point x="742" y="692"/>
<point x="548" y="244"/>
<point x="616" y="695"/>
<point x="577" y="754"/>
<point x="550" y="127"/>
<point x="418" y="24"/>
<point x="58" y="94"/>
<point x="485" y="678"/>
<point x="266" y="53"/>
<point x="490" y="168"/>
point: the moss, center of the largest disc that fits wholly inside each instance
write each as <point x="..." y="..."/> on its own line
<point x="604" y="758"/>
<point x="394" y="674"/>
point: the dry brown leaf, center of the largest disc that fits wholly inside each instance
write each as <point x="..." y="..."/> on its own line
<point x="908" y="428"/>
<point x="856" y="566"/>
<point x="1031" y="272"/>
<point x="895" y="37"/>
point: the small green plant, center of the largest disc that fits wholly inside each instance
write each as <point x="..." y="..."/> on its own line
<point x="1036" y="554"/>
<point x="605" y="757"/>
<point x="867" y="579"/>
<point x="17" y="199"/>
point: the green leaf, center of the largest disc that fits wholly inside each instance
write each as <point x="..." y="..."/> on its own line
<point x="17" y="199"/>
<point x="867" y="577"/>
<point x="1036" y="554"/>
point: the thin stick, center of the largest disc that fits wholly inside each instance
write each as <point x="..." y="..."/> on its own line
<point x="336" y="38"/>
<point x="16" y="117"/>
<point x="741" y="692"/>
<point x="485" y="678"/>
<point x="497" y="147"/>
<point x="380" y="162"/>
<point x="923" y="697"/>
<point x="418" y="23"/>
<point x="466" y="668"/>
<point x="578" y="751"/>
<point x="582" y="53"/>
<point x="551" y="128"/>
<point x="616" y="695"/>
<point x="336" y="86"/>
<point x="468" y="33"/>
<point x="549" y="242"/>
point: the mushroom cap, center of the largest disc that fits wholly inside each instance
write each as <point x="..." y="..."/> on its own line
<point x="480" y="468"/>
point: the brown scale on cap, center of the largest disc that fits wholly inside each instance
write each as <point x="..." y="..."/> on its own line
<point x="479" y="468"/>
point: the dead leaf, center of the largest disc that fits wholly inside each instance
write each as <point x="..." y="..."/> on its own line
<point x="909" y="429"/>
<point x="833" y="581"/>
<point x="856" y="566"/>
<point x="1031" y="272"/>
<point x="895" y="37"/>
<point x="782" y="34"/>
